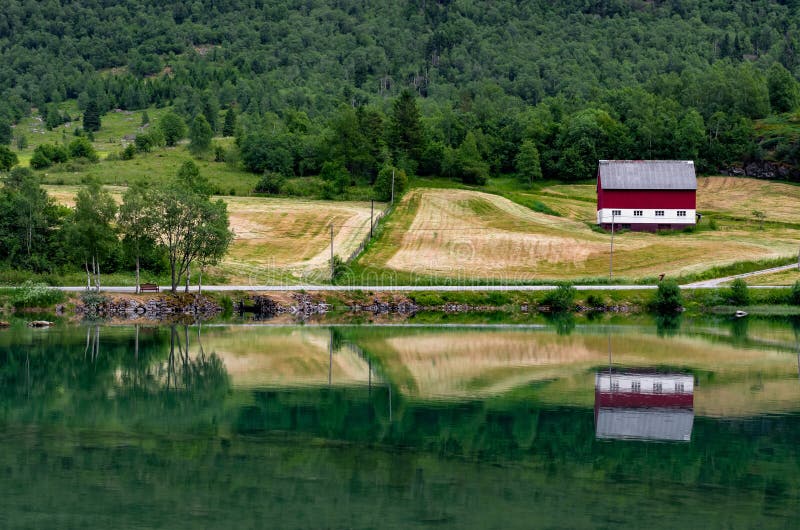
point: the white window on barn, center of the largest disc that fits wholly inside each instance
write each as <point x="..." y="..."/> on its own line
<point x="681" y="213"/>
<point x="637" y="213"/>
<point x="659" y="213"/>
<point x="616" y="212"/>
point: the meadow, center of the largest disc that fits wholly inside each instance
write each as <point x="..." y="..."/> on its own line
<point x="472" y="234"/>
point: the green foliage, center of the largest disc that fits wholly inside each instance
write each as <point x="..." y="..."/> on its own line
<point x="173" y="128"/>
<point x="200" y="135"/>
<point x="383" y="184"/>
<point x="527" y="162"/>
<point x="562" y="299"/>
<point x="45" y="155"/>
<point x="738" y="293"/>
<point x="91" y="236"/>
<point x="406" y="132"/>
<point x="5" y="132"/>
<point x="8" y="158"/>
<point x="336" y="175"/>
<point x="595" y="301"/>
<point x="229" y="125"/>
<point x="339" y="268"/>
<point x="784" y="92"/>
<point x="262" y="152"/>
<point x="590" y="135"/>
<point x="91" y="117"/>
<point x="271" y="183"/>
<point x="29" y="223"/>
<point x="82" y="148"/>
<point x="190" y="227"/>
<point x="667" y="299"/>
<point x="466" y="162"/>
<point x="129" y="152"/>
<point x="36" y="295"/>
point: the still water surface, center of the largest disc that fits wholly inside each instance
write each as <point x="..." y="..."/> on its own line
<point x="400" y="427"/>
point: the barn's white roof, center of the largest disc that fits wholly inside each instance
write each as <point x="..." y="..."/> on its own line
<point x="647" y="175"/>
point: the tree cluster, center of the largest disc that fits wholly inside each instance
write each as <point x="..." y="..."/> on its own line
<point x="166" y="227"/>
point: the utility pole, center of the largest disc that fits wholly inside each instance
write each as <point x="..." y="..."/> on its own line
<point x="333" y="275"/>
<point x="611" y="259"/>
<point x="392" y="187"/>
<point x="372" y="223"/>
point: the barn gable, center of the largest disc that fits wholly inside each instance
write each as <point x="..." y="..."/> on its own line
<point x="647" y="175"/>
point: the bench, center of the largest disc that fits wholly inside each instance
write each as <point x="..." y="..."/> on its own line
<point x="148" y="288"/>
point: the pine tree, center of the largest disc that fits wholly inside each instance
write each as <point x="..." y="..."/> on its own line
<point x="5" y="132"/>
<point x="229" y="126"/>
<point x="91" y="117"/>
<point x="406" y="135"/>
<point x="200" y="135"/>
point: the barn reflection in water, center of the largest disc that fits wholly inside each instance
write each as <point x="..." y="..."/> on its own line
<point x="643" y="405"/>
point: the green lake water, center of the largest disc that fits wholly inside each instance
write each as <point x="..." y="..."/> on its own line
<point x="248" y="426"/>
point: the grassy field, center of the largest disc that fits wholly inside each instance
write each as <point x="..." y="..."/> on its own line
<point x="278" y="239"/>
<point x="467" y="234"/>
<point x="779" y="278"/>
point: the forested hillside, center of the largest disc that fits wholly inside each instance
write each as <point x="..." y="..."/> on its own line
<point x="463" y="89"/>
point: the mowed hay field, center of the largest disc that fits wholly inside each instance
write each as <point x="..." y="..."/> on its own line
<point x="466" y="234"/>
<point x="278" y="239"/>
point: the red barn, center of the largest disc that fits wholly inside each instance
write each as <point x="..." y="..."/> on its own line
<point x="646" y="194"/>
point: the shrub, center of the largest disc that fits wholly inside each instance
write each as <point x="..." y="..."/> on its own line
<point x="36" y="294"/>
<point x="271" y="183"/>
<point x="595" y="300"/>
<point x="562" y="299"/>
<point x="794" y="297"/>
<point x="45" y="155"/>
<point x="339" y="267"/>
<point x="82" y="148"/>
<point x="128" y="153"/>
<point x="738" y="294"/>
<point x="668" y="298"/>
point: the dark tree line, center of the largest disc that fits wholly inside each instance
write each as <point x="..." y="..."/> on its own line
<point x="316" y="82"/>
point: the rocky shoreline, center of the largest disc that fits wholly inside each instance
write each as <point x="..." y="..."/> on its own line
<point x="294" y="306"/>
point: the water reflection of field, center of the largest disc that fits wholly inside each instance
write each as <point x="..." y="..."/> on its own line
<point x="282" y="357"/>
<point x="732" y="380"/>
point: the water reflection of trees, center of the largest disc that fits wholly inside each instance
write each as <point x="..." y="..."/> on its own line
<point x="108" y="375"/>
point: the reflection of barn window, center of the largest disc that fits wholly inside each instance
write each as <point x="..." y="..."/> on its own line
<point x="614" y="384"/>
<point x="678" y="387"/>
<point x="636" y="386"/>
<point x="657" y="387"/>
